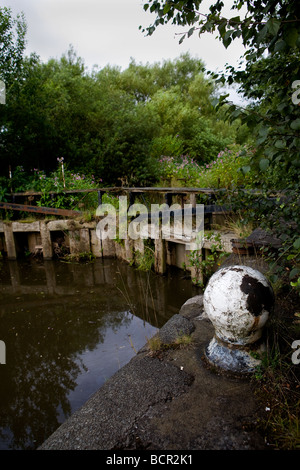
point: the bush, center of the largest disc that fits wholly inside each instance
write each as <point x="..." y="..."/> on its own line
<point x="226" y="171"/>
<point x="56" y="182"/>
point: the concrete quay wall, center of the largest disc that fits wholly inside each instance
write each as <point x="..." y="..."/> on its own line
<point x="44" y="237"/>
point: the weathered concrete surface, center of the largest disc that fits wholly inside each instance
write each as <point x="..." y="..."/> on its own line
<point x="176" y="327"/>
<point x="167" y="400"/>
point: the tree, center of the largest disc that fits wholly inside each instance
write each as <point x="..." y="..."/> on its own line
<point x="269" y="29"/>
<point x="12" y="44"/>
<point x="109" y="123"/>
<point x="180" y="94"/>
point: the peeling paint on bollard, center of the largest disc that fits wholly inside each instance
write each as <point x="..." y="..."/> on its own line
<point x="238" y="300"/>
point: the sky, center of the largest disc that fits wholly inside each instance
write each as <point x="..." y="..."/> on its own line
<point x="106" y="32"/>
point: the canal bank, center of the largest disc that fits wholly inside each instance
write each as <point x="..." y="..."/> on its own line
<point x="67" y="328"/>
<point x="168" y="399"/>
<point x="52" y="239"/>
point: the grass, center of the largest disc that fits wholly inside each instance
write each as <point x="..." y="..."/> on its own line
<point x="145" y="261"/>
<point x="157" y="346"/>
<point x="183" y="341"/>
<point x="238" y="226"/>
<point x="277" y="381"/>
<point x="78" y="258"/>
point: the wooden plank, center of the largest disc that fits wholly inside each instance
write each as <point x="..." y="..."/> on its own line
<point x="66" y="191"/>
<point x="38" y="210"/>
<point x="122" y="189"/>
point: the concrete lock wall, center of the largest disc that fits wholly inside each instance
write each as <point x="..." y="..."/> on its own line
<point x="44" y="237"/>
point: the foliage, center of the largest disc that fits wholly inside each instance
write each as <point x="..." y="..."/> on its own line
<point x="268" y="77"/>
<point x="267" y="29"/>
<point x="206" y="265"/>
<point x="145" y="261"/>
<point x="12" y="44"/>
<point x="78" y="257"/>
<point x="54" y="185"/>
<point x="157" y="347"/>
<point x="278" y="380"/>
<point x="109" y="121"/>
<point x="227" y="170"/>
<point x="279" y="216"/>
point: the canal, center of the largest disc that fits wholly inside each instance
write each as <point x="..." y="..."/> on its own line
<point x="67" y="328"/>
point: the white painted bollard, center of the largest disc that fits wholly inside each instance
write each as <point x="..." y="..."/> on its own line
<point x="238" y="300"/>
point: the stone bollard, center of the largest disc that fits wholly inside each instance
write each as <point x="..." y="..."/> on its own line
<point x="238" y="300"/>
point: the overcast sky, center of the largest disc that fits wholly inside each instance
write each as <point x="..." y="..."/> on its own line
<point x="107" y="32"/>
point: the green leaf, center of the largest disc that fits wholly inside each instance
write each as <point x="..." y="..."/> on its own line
<point x="191" y="31"/>
<point x="262" y="34"/>
<point x="295" y="124"/>
<point x="291" y="37"/>
<point x="215" y="102"/>
<point x="167" y="8"/>
<point x="273" y="26"/>
<point x="296" y="244"/>
<point x="246" y="169"/>
<point x="235" y="21"/>
<point x="227" y="38"/>
<point x="261" y="140"/>
<point x="223" y="97"/>
<point x="263" y="131"/>
<point x="264" y="164"/>
<point x="280" y="144"/>
<point x="222" y="28"/>
<point x="228" y="34"/>
<point x="294" y="272"/>
<point x="280" y="45"/>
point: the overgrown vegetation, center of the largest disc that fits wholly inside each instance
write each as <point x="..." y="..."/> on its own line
<point x="278" y="378"/>
<point x="145" y="261"/>
<point x="78" y="257"/>
<point x="52" y="187"/>
<point x="268" y="78"/>
<point x="157" y="347"/>
<point x="109" y="123"/>
<point x="212" y="259"/>
<point x="166" y="124"/>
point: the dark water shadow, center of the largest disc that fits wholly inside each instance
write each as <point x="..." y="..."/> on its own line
<point x="67" y="328"/>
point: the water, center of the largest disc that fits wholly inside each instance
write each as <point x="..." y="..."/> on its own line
<point x="67" y="328"/>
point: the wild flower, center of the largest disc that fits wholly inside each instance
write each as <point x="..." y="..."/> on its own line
<point x="222" y="171"/>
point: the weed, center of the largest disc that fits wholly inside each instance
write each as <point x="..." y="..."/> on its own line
<point x="278" y="388"/>
<point x="240" y="227"/>
<point x="157" y="346"/>
<point x="78" y="257"/>
<point x="183" y="341"/>
<point x="145" y="261"/>
<point x="206" y="265"/>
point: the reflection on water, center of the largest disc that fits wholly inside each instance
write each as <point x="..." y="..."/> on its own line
<point x="67" y="328"/>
